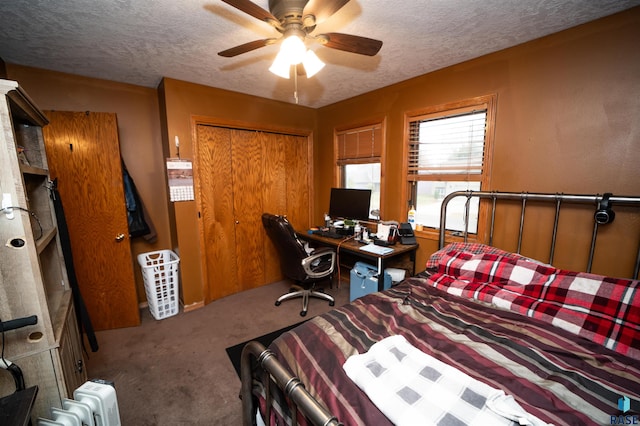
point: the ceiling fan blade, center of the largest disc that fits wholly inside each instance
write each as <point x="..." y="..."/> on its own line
<point x="350" y="43"/>
<point x="247" y="47"/>
<point x="322" y="9"/>
<point x="254" y="10"/>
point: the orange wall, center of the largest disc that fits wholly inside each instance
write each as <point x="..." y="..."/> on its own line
<point x="139" y="130"/>
<point x="567" y="116"/>
<point x="182" y="101"/>
<point x="567" y="121"/>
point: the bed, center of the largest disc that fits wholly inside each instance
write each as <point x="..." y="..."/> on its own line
<point x="481" y="332"/>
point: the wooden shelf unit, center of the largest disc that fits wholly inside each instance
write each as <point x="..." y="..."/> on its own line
<point x="33" y="277"/>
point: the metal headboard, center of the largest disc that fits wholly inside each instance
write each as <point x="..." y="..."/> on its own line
<point x="524" y="197"/>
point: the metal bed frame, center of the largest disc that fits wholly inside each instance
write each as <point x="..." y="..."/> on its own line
<point x="524" y="197"/>
<point x="273" y="372"/>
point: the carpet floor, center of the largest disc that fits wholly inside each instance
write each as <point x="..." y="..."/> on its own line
<point x="176" y="371"/>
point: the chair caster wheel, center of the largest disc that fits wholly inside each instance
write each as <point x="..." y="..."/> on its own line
<point x="278" y="303"/>
<point x="303" y="313"/>
<point x="332" y="303"/>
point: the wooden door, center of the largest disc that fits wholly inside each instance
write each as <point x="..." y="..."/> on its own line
<point x="239" y="175"/>
<point x="83" y="152"/>
<point x="248" y="201"/>
<point x="286" y="181"/>
<point x="214" y="182"/>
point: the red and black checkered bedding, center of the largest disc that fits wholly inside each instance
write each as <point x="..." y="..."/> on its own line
<point x="555" y="374"/>
<point x="603" y="309"/>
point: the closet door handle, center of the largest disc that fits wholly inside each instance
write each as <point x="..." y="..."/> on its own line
<point x="119" y="238"/>
<point x="237" y="222"/>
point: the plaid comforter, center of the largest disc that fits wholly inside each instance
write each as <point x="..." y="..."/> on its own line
<point x="603" y="309"/>
<point x="553" y="374"/>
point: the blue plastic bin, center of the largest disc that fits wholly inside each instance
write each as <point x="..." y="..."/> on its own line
<point x="364" y="280"/>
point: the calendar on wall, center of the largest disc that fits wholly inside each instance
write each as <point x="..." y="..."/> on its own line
<point x="180" y="174"/>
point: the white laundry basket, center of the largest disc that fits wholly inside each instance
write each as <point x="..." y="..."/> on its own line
<point x="160" y="274"/>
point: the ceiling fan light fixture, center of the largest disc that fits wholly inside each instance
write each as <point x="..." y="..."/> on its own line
<point x="281" y="66"/>
<point x="296" y="20"/>
<point x="293" y="49"/>
<point x="293" y="52"/>
<point x="312" y="64"/>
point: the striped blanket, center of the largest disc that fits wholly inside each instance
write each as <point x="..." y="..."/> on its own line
<point x="553" y="374"/>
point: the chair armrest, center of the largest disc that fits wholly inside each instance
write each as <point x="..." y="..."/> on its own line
<point x="322" y="250"/>
<point x="323" y="254"/>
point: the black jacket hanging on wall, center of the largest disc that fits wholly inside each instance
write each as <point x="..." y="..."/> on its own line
<point x="136" y="215"/>
<point x="82" y="315"/>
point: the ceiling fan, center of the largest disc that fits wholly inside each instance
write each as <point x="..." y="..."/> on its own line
<point x="296" y="20"/>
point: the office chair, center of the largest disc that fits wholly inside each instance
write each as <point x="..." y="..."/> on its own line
<point x="305" y="269"/>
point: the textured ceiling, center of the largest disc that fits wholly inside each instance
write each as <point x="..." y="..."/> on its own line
<point x="139" y="42"/>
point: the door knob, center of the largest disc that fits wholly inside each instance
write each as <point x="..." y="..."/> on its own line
<point x="237" y="222"/>
<point x="119" y="238"/>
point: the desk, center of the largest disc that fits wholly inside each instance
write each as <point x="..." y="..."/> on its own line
<point x="349" y="245"/>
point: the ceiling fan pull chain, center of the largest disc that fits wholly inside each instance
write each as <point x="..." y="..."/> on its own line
<point x="295" y="83"/>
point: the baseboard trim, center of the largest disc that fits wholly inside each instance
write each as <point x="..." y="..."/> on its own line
<point x="193" y="306"/>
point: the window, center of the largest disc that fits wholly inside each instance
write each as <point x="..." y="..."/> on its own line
<point x="448" y="150"/>
<point x="358" y="157"/>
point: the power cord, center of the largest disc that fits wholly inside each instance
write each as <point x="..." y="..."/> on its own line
<point x="32" y="213"/>
<point x="338" y="256"/>
<point x="12" y="368"/>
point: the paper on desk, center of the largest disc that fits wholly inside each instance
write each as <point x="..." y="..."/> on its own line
<point x="372" y="248"/>
<point x="382" y="233"/>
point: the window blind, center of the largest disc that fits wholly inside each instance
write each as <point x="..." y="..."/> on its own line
<point x="447" y="145"/>
<point x="364" y="144"/>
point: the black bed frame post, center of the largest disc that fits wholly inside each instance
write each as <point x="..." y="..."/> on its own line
<point x="494" y="201"/>
<point x="592" y="250"/>
<point x="467" y="204"/>
<point x="521" y="230"/>
<point x="554" y="234"/>
<point x="246" y="394"/>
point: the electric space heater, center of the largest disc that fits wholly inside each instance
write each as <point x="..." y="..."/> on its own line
<point x="93" y="404"/>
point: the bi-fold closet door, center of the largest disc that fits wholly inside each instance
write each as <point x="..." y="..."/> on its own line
<point x="239" y="175"/>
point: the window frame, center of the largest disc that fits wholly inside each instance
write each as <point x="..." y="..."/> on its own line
<point x="340" y="161"/>
<point x="441" y="111"/>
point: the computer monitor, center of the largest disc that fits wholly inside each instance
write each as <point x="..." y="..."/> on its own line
<point x="348" y="203"/>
